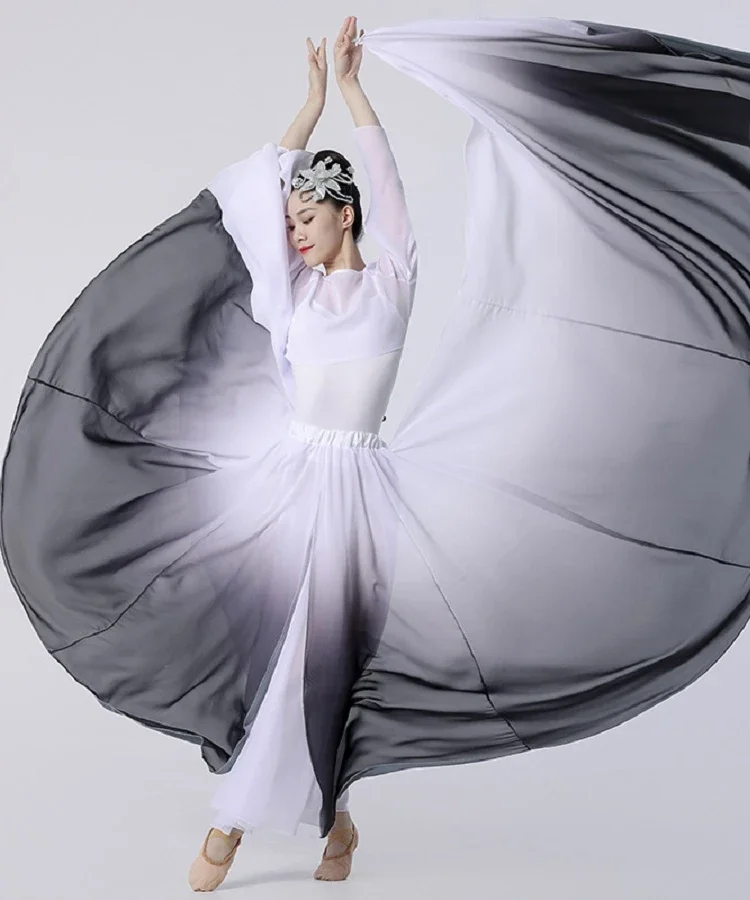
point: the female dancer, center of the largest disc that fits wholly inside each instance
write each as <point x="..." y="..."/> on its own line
<point x="207" y="531"/>
<point x="323" y="229"/>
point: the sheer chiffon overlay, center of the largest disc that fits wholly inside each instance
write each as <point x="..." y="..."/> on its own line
<point x="208" y="532"/>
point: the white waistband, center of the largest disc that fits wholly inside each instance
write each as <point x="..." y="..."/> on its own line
<point x="313" y="434"/>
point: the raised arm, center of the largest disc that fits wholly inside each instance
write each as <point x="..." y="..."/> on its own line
<point x="347" y="60"/>
<point x="388" y="220"/>
<point x="299" y="132"/>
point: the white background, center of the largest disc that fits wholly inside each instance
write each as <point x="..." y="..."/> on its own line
<point x="113" y="116"/>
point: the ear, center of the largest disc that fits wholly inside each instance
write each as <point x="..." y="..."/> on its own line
<point x="347" y="216"/>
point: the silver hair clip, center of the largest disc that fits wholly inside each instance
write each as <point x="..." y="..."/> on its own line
<point x="321" y="180"/>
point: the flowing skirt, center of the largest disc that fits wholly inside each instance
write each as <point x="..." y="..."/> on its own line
<point x="556" y="536"/>
<point x="272" y="782"/>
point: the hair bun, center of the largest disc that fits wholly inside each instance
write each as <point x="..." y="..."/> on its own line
<point x="351" y="192"/>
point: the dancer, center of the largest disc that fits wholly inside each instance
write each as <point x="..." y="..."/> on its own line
<point x="208" y="531"/>
<point x="272" y="781"/>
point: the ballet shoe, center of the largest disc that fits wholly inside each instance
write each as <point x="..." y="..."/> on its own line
<point x="338" y="867"/>
<point x="206" y="874"/>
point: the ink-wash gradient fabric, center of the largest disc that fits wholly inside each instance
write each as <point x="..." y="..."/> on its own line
<point x="568" y="494"/>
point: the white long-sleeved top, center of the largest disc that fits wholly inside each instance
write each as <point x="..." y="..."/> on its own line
<point x="339" y="335"/>
<point x="348" y="328"/>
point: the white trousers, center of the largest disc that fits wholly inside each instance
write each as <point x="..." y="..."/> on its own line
<point x="272" y="783"/>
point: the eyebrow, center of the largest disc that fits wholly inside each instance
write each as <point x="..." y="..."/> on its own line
<point x="304" y="209"/>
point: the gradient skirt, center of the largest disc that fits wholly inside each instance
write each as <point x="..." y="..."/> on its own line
<point x="557" y="536"/>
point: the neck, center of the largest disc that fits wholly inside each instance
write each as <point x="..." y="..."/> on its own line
<point x="348" y="257"/>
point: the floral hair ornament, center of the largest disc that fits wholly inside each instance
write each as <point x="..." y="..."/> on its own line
<point x="322" y="180"/>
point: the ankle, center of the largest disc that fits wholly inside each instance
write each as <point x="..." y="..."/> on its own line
<point x="234" y="834"/>
<point x="343" y="819"/>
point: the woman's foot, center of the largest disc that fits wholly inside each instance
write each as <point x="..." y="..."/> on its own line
<point x="214" y="860"/>
<point x="343" y="839"/>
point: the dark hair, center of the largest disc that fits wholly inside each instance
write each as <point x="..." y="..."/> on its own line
<point x="350" y="190"/>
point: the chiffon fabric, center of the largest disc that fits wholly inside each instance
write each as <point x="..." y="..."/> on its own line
<point x="342" y="346"/>
<point x="556" y="536"/>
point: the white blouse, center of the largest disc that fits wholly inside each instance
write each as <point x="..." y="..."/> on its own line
<point x="348" y="328"/>
<point x="340" y="336"/>
<point x="353" y="314"/>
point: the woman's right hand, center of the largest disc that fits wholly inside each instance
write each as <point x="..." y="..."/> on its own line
<point x="318" y="72"/>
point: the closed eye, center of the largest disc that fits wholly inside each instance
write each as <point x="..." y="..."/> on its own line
<point x="305" y="222"/>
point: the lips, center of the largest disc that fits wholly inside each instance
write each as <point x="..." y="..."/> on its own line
<point x="305" y="249"/>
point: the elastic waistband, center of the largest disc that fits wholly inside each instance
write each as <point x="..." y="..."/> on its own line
<point x="312" y="434"/>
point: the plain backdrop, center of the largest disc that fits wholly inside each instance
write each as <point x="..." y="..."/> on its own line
<point x="114" y="115"/>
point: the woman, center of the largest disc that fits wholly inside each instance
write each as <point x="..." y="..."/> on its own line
<point x="207" y="531"/>
<point x="344" y="348"/>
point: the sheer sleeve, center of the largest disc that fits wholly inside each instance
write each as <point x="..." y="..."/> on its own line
<point x="252" y="195"/>
<point x="388" y="217"/>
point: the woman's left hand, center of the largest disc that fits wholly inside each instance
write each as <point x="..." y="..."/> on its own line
<point x="318" y="71"/>
<point x="347" y="56"/>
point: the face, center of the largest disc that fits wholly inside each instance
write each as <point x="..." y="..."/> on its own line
<point x="319" y="225"/>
